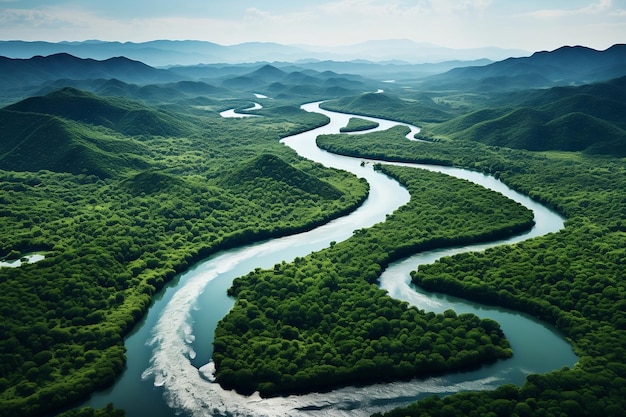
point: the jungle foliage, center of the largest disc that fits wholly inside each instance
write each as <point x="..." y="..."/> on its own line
<point x="119" y="212"/>
<point x="417" y="110"/>
<point x="572" y="279"/>
<point x="356" y="124"/>
<point x="321" y="321"/>
<point x="586" y="118"/>
<point x="112" y="241"/>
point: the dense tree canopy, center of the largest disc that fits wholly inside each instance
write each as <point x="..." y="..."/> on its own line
<point x="141" y="207"/>
<point x="110" y="243"/>
<point x="322" y="322"/>
<point x="572" y="279"/>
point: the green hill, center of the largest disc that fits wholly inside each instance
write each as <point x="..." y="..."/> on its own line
<point x="466" y="121"/>
<point x="417" y="111"/>
<point x="270" y="167"/>
<point x="125" y="116"/>
<point x="580" y="131"/>
<point x="519" y="128"/>
<point x="33" y="142"/>
<point x="588" y="118"/>
<point x="151" y="182"/>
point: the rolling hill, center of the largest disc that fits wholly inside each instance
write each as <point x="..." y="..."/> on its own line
<point x="74" y="131"/>
<point x="587" y="118"/>
<point x="270" y="167"/>
<point x="152" y="94"/>
<point x="124" y="116"/>
<point x="34" y="142"/>
<point x="419" y="110"/>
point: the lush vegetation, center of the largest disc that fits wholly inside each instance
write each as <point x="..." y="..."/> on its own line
<point x="112" y="241"/>
<point x="572" y="279"/>
<point x="415" y="111"/>
<point x="588" y="118"/>
<point x="120" y="196"/>
<point x="108" y="411"/>
<point x="322" y="322"/>
<point x="356" y="124"/>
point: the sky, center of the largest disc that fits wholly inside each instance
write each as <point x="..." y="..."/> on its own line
<point x="530" y="25"/>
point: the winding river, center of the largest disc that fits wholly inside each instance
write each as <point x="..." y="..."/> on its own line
<point x="169" y="366"/>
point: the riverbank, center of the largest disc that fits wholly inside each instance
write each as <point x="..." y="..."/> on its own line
<point x="169" y="361"/>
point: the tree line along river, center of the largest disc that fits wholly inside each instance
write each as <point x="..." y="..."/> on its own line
<point x="168" y="354"/>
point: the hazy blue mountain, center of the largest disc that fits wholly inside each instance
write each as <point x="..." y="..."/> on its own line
<point x="564" y="66"/>
<point x="163" y="53"/>
<point x="268" y="73"/>
<point x="414" y="52"/>
<point x="40" y="69"/>
<point x="385" y="70"/>
<point x="157" y="53"/>
<point x="382" y="71"/>
<point x="292" y="82"/>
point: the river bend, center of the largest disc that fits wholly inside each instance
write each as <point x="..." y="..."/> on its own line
<point x="168" y="354"/>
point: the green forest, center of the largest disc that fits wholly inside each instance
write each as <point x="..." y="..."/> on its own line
<point x="112" y="236"/>
<point x="322" y="322"/>
<point x="572" y="279"/>
<point x="122" y="191"/>
<point x="356" y="124"/>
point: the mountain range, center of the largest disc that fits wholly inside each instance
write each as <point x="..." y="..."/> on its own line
<point x="122" y="77"/>
<point x="588" y="118"/>
<point x="40" y="69"/>
<point x="80" y="106"/>
<point x="564" y="66"/>
<point x="163" y="53"/>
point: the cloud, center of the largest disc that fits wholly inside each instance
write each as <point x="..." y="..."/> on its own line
<point x="600" y="7"/>
<point x="402" y="8"/>
<point x="452" y="23"/>
<point x="30" y="18"/>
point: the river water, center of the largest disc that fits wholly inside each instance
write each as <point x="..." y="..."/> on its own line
<point x="168" y="354"/>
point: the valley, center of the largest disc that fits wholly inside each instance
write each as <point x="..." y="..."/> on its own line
<point x="124" y="186"/>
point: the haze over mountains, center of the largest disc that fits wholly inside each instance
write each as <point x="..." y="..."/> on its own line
<point x="165" y="52"/>
<point x="70" y="96"/>
<point x="566" y="65"/>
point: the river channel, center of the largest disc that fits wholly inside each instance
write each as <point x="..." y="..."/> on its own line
<point x="169" y="353"/>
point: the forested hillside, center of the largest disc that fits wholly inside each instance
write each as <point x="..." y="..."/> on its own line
<point x="588" y="118"/>
<point x="321" y="322"/>
<point x="416" y="111"/>
<point x="572" y="279"/>
<point x="116" y="226"/>
<point x="121" y="184"/>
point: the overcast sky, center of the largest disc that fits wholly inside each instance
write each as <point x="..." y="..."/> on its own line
<point x="525" y="24"/>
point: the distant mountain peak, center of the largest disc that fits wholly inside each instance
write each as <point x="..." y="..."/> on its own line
<point x="193" y="52"/>
<point x="268" y="73"/>
<point x="40" y="69"/>
<point x="562" y="66"/>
